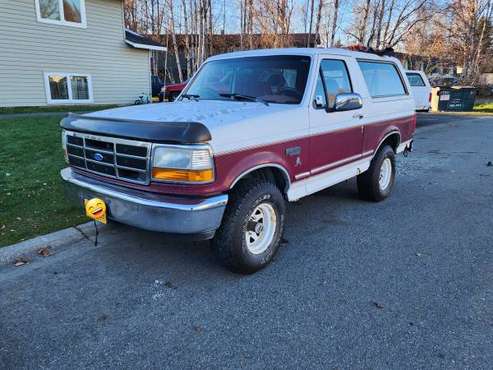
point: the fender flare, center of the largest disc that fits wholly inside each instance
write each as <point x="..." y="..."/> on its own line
<point x="393" y="131"/>
<point x="260" y="166"/>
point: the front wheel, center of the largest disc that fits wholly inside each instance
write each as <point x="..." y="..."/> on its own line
<point x="377" y="182"/>
<point x="252" y="226"/>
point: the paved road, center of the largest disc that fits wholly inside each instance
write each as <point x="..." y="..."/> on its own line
<point x="407" y="283"/>
<point x="429" y="119"/>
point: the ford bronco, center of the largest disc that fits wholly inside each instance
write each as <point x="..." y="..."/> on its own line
<point x="251" y="131"/>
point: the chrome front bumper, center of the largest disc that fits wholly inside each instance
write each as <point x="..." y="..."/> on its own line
<point x="151" y="211"/>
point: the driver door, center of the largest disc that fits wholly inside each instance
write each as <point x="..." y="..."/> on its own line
<point x="336" y="138"/>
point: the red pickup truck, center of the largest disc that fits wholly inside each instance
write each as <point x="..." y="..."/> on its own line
<point x="170" y="92"/>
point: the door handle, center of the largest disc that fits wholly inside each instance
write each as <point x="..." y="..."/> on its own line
<point x="358" y="116"/>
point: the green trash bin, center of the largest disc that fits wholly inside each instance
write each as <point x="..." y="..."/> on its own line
<point x="456" y="99"/>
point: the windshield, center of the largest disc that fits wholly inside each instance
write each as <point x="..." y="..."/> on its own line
<point x="274" y="79"/>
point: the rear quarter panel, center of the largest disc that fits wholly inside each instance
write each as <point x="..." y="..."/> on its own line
<point x="386" y="115"/>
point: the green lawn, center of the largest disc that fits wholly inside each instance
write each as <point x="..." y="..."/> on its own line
<point x="485" y="107"/>
<point x="32" y="201"/>
<point x="56" y="108"/>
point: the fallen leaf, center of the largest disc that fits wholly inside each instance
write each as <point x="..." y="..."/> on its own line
<point x="170" y="285"/>
<point x="45" y="252"/>
<point x="20" y="261"/>
<point x="102" y="317"/>
<point x="198" y="328"/>
<point x="378" y="305"/>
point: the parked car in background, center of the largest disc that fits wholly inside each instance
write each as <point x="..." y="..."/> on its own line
<point x="421" y="89"/>
<point x="251" y="131"/>
<point x="443" y="81"/>
<point x="157" y="85"/>
<point x="170" y="92"/>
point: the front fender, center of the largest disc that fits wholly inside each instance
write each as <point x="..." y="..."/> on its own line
<point x="232" y="167"/>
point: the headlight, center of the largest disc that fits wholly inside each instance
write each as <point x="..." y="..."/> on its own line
<point x="182" y="164"/>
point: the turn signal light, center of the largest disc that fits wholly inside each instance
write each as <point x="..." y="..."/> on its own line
<point x="170" y="174"/>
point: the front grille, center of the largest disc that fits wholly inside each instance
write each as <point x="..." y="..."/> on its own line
<point x="118" y="158"/>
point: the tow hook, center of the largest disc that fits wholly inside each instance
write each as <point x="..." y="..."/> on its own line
<point x="408" y="149"/>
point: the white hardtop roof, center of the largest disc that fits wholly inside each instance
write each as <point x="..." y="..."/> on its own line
<point x="300" y="51"/>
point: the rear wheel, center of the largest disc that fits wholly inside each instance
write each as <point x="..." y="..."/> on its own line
<point x="252" y="226"/>
<point x="377" y="182"/>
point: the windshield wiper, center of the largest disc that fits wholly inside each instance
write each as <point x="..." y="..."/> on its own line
<point x="191" y="97"/>
<point x="244" y="97"/>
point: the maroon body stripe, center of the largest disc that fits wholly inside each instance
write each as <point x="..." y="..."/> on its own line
<point x="316" y="151"/>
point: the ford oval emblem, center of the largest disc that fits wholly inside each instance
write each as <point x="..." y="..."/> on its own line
<point x="98" y="156"/>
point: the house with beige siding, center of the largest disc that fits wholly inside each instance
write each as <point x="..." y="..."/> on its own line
<point x="70" y="52"/>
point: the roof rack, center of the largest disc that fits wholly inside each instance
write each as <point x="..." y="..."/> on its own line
<point x="382" y="52"/>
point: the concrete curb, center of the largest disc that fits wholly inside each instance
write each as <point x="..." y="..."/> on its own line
<point x="56" y="239"/>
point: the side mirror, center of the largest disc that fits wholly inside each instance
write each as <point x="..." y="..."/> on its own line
<point x="347" y="101"/>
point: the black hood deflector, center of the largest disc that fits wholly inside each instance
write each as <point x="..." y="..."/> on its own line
<point x="153" y="131"/>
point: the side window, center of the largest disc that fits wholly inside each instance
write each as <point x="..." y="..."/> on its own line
<point x="415" y="79"/>
<point x="382" y="79"/>
<point x="336" y="78"/>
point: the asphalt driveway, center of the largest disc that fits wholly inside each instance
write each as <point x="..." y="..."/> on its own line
<point x="407" y="283"/>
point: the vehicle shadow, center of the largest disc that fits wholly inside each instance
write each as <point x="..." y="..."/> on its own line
<point x="157" y="253"/>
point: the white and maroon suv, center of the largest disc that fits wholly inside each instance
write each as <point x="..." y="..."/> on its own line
<point x="251" y="131"/>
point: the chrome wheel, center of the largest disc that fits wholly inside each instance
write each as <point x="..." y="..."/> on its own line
<point x="385" y="174"/>
<point x="261" y="228"/>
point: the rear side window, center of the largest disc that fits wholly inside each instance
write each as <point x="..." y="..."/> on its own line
<point x="382" y="79"/>
<point x="415" y="79"/>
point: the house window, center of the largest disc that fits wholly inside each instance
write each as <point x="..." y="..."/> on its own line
<point x="71" y="88"/>
<point x="65" y="12"/>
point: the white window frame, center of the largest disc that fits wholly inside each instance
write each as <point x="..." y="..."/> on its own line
<point x="70" y="100"/>
<point x="62" y="20"/>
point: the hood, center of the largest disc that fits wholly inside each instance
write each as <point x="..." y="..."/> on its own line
<point x="212" y="114"/>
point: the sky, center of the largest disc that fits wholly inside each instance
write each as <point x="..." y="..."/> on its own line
<point x="233" y="16"/>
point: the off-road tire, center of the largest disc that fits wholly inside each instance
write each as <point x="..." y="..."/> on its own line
<point x="229" y="243"/>
<point x="368" y="182"/>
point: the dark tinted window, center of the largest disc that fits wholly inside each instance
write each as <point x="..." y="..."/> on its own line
<point x="277" y="79"/>
<point x="415" y="79"/>
<point x="382" y="79"/>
